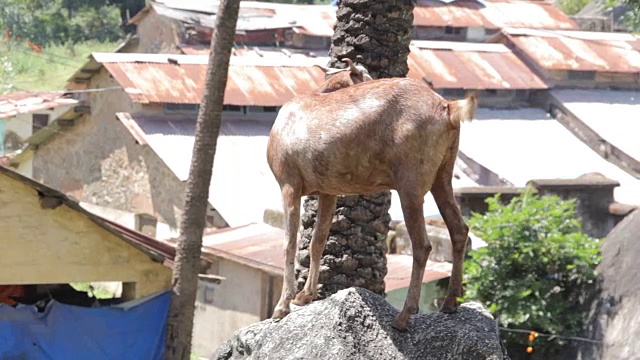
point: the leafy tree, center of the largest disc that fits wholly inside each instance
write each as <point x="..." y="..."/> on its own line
<point x="632" y="17"/>
<point x="537" y="271"/>
<point x="60" y="21"/>
<point x="571" y="7"/>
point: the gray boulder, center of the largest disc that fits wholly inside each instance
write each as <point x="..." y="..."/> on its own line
<point x="356" y="324"/>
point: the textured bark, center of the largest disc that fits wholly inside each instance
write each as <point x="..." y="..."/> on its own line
<point x="185" y="275"/>
<point x="376" y="34"/>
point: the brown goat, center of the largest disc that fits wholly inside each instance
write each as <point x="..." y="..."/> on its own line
<point x="372" y="136"/>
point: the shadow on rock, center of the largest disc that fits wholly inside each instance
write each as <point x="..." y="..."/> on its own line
<point x="356" y="324"/>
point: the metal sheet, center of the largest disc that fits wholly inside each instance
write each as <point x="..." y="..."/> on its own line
<point x="462" y="13"/>
<point x="246" y="85"/>
<point x="521" y="145"/>
<point x="480" y="66"/>
<point x="579" y="50"/>
<point x="26" y="102"/>
<point x="614" y="115"/>
<point x="527" y="14"/>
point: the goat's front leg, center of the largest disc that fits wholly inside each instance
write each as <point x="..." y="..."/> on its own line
<point x="291" y="202"/>
<point x="458" y="231"/>
<point x="412" y="210"/>
<point x="326" y="209"/>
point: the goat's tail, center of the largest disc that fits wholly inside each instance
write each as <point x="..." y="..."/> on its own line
<point x="462" y="110"/>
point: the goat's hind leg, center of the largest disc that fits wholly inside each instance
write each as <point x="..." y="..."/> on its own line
<point x="326" y="209"/>
<point x="442" y="191"/>
<point x="412" y="203"/>
<point x="291" y="202"/>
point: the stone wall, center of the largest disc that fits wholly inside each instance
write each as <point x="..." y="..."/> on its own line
<point x="98" y="161"/>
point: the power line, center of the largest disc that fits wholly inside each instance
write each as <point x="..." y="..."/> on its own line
<point x="575" y="338"/>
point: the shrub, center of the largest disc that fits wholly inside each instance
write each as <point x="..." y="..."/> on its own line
<point x="537" y="271"/>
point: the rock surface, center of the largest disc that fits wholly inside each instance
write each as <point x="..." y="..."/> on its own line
<point x="355" y="324"/>
<point x="615" y="319"/>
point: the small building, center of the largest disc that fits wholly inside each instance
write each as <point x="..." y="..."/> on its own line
<point x="105" y="158"/>
<point x="48" y="238"/>
<point x="259" y="24"/>
<point x="499" y="77"/>
<point x="26" y="118"/>
<point x="577" y="59"/>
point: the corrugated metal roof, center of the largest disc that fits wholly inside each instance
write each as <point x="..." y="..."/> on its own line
<point x="527" y="14"/>
<point x="470" y="66"/>
<point x="521" y="145"/>
<point x="26" y="102"/>
<point x="493" y="14"/>
<point x="262" y="81"/>
<point x="259" y="245"/>
<point x="614" y="115"/>
<point x="579" y="50"/>
<point x="461" y="13"/>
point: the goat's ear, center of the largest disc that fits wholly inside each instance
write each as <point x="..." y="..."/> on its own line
<point x="325" y="69"/>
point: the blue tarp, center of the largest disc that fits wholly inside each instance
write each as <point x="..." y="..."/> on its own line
<point x="133" y="330"/>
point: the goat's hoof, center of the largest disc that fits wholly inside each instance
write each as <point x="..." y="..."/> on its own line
<point x="399" y="324"/>
<point x="302" y="298"/>
<point x="280" y="313"/>
<point x="401" y="321"/>
<point x="449" y="307"/>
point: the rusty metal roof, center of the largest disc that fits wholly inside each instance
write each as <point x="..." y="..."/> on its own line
<point x="260" y="246"/>
<point x="527" y="14"/>
<point x="470" y="66"/>
<point x="150" y="78"/>
<point x="461" y="13"/>
<point x="492" y="14"/>
<point x="26" y="102"/>
<point x="578" y="50"/>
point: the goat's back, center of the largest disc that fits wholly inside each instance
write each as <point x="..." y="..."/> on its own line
<point x="354" y="139"/>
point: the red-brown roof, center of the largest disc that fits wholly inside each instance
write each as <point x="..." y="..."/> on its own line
<point x="260" y="246"/>
<point x="470" y="66"/>
<point x="461" y="13"/>
<point x="180" y="78"/>
<point x="492" y="14"/>
<point x="578" y="50"/>
<point x="26" y="102"/>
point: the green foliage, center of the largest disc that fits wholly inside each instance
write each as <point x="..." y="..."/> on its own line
<point x="538" y="268"/>
<point x="6" y="75"/>
<point x="632" y="18"/>
<point x="571" y="7"/>
<point x="45" y="22"/>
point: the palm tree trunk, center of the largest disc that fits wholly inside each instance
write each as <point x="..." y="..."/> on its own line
<point x="374" y="33"/>
<point x="185" y="275"/>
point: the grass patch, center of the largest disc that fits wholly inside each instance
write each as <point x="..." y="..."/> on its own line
<point x="50" y="68"/>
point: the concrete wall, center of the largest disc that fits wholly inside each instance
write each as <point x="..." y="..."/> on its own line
<point x="51" y="246"/>
<point x="158" y="35"/>
<point x="240" y="300"/>
<point x="98" y="161"/>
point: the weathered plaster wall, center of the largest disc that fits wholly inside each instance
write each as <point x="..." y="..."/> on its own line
<point x="49" y="246"/>
<point x="158" y="35"/>
<point x="98" y="161"/>
<point x="221" y="310"/>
